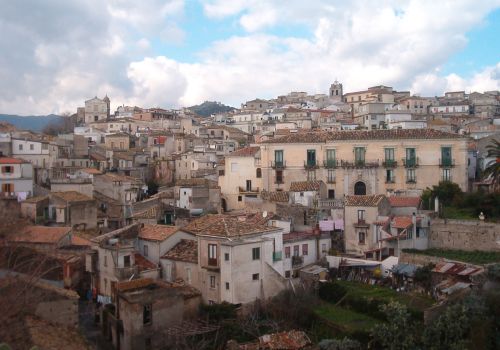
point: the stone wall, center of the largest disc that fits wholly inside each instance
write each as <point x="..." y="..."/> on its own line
<point x="464" y="235"/>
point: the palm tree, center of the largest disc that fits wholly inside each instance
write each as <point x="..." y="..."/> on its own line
<point x="493" y="167"/>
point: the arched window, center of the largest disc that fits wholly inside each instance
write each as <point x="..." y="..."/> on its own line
<point x="360" y="188"/>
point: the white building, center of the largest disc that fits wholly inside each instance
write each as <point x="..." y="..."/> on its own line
<point x="16" y="178"/>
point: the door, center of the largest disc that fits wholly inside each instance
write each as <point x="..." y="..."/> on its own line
<point x="249" y="185"/>
<point x="331" y="194"/>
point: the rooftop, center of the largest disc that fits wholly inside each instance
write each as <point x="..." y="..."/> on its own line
<point x="186" y="250"/>
<point x="224" y="226"/>
<point x="401" y="222"/>
<point x="303" y="186"/>
<point x="278" y="196"/>
<point x="40" y="234"/>
<point x="157" y="232"/>
<point x="245" y="152"/>
<point x="72" y="196"/>
<point x="364" y="201"/>
<point x="9" y="160"/>
<point x="347" y="135"/>
<point x="413" y="202"/>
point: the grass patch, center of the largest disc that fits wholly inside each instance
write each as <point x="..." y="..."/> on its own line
<point x="415" y="302"/>
<point x="473" y="257"/>
<point x="459" y="213"/>
<point x="349" y="320"/>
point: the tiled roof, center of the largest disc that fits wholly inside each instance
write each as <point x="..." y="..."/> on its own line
<point x="150" y="213"/>
<point x="363" y="201"/>
<point x="393" y="134"/>
<point x="92" y="171"/>
<point x="143" y="263"/>
<point x="397" y="201"/>
<point x="35" y="199"/>
<point x="40" y="234"/>
<point x="186" y="250"/>
<point x="278" y="196"/>
<point x="134" y="284"/>
<point x="224" y="226"/>
<point x="157" y="232"/>
<point x="8" y="160"/>
<point x="72" y="196"/>
<point x="79" y="241"/>
<point x="401" y="222"/>
<point x="303" y="186"/>
<point x="294" y="236"/>
<point x="116" y="177"/>
<point x="245" y="152"/>
<point x="196" y="182"/>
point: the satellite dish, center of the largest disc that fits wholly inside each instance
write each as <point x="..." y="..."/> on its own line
<point x="264" y="214"/>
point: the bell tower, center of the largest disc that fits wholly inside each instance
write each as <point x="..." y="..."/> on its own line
<point x="336" y="92"/>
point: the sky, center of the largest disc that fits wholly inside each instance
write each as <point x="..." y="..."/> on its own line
<point x="55" y="54"/>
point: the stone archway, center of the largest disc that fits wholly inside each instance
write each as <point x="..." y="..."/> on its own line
<point x="360" y="188"/>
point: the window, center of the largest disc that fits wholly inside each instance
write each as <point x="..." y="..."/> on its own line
<point x="311" y="157"/>
<point x="278" y="158"/>
<point x="249" y="185"/>
<point x="255" y="277"/>
<point x="330" y="157"/>
<point x="446" y="156"/>
<point x="212" y="282"/>
<point x="226" y="256"/>
<point x="147" y="314"/>
<point x="305" y="249"/>
<point x="359" y="155"/>
<point x="287" y="274"/>
<point x="410" y="176"/>
<point x="331" y="175"/>
<point x="256" y="253"/>
<point x="389" y="175"/>
<point x="7" y="169"/>
<point x="32" y="147"/>
<point x="287" y="252"/>
<point x="240" y="198"/>
<point x="411" y="158"/>
<point x="20" y="147"/>
<point x="126" y="261"/>
<point x="296" y="251"/>
<point x="212" y="254"/>
<point x="446" y="175"/>
<point x="362" y="237"/>
<point x="146" y="248"/>
<point x="105" y="260"/>
<point x="331" y="194"/>
<point x="227" y="285"/>
<point x="311" y="175"/>
<point x="188" y="275"/>
<point x="323" y="247"/>
<point x="279" y="176"/>
<point x="361" y="215"/>
<point x="258" y="173"/>
<point x="105" y="285"/>
<point x="389" y="155"/>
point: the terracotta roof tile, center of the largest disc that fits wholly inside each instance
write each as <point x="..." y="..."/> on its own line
<point x="186" y="250"/>
<point x="157" y="232"/>
<point x="8" y="160"/>
<point x="224" y="226"/>
<point x="40" y="234"/>
<point x="91" y="171"/>
<point x="35" y="199"/>
<point x="397" y="201"/>
<point x="401" y="222"/>
<point x="278" y="196"/>
<point x="72" y="196"/>
<point x="143" y="263"/>
<point x="245" y="152"/>
<point x="364" y="201"/>
<point x="393" y="134"/>
<point x="79" y="241"/>
<point x="134" y="284"/>
<point x="303" y="186"/>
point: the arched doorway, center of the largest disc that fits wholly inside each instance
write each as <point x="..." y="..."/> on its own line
<point x="359" y="188"/>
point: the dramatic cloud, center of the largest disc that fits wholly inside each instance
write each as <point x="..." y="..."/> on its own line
<point x="56" y="55"/>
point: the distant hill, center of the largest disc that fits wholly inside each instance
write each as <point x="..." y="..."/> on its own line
<point x="208" y="108"/>
<point x="33" y="122"/>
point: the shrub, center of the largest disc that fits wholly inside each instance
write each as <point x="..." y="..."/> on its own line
<point x="331" y="292"/>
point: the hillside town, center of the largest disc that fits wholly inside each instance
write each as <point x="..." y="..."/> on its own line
<point x="152" y="228"/>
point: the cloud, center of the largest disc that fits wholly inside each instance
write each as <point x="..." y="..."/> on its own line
<point x="57" y="54"/>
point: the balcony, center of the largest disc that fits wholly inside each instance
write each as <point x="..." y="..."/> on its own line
<point x="277" y="256"/>
<point x="411" y="181"/>
<point x="330" y="180"/>
<point x="249" y="190"/>
<point x="278" y="164"/>
<point x="359" y="164"/>
<point x="410" y="162"/>
<point x="330" y="164"/>
<point x="331" y="203"/>
<point x="297" y="261"/>
<point x="123" y="273"/>
<point x="446" y="163"/>
<point x="447" y="178"/>
<point x="311" y="164"/>
<point x="390" y="163"/>
<point x="390" y="180"/>
<point x="211" y="264"/>
<point x="361" y="223"/>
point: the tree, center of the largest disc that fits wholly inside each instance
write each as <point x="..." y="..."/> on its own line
<point x="398" y="333"/>
<point x="65" y="124"/>
<point x="450" y="331"/>
<point x="423" y="276"/>
<point x="448" y="192"/>
<point x="493" y="167"/>
<point x="339" y="344"/>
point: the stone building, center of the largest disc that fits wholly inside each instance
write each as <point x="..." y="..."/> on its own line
<point x="97" y="109"/>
